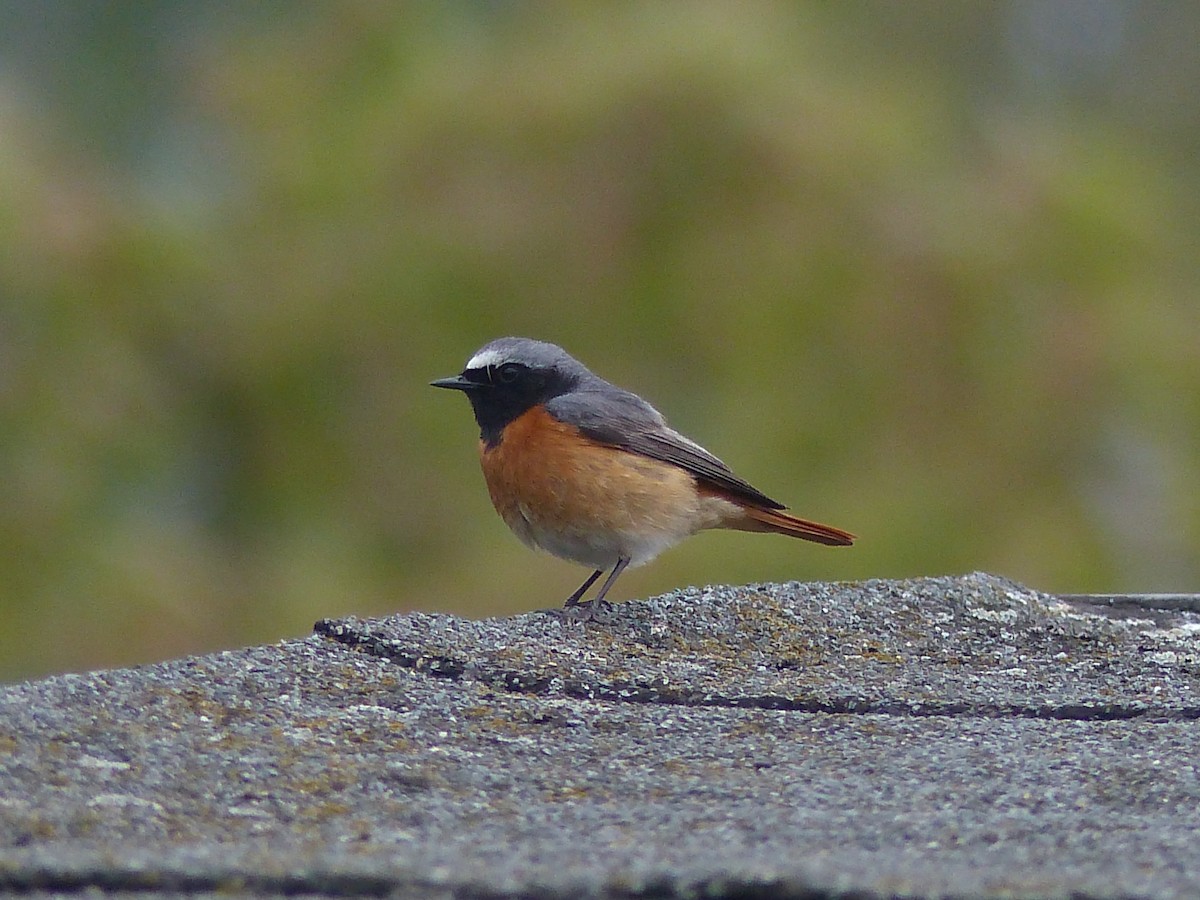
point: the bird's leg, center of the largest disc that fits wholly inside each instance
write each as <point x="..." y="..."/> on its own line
<point x="584" y="612"/>
<point x="598" y="600"/>
<point x="574" y="599"/>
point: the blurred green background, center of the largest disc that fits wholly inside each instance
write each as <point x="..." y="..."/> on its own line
<point x="925" y="271"/>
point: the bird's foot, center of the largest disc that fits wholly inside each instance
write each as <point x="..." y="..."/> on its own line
<point x="599" y="611"/>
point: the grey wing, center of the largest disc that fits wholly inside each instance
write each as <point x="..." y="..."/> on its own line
<point x="626" y="421"/>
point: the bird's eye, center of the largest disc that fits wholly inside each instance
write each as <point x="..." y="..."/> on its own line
<point x="508" y="373"/>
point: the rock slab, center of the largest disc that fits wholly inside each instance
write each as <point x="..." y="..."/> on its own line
<point x="944" y="736"/>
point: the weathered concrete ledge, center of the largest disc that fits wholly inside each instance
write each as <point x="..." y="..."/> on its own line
<point x="939" y="736"/>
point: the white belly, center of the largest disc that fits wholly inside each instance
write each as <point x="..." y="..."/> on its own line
<point x="600" y="548"/>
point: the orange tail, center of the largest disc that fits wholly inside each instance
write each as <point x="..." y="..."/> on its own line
<point x="758" y="519"/>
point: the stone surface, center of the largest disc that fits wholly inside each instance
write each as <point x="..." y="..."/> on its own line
<point x="939" y="736"/>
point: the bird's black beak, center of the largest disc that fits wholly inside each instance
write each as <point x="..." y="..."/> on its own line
<point x="456" y="383"/>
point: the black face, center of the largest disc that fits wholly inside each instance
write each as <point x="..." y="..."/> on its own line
<point x="501" y="393"/>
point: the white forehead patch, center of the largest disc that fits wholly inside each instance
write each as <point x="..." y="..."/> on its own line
<point x="485" y="358"/>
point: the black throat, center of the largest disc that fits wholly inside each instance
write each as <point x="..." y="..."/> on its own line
<point x="493" y="413"/>
<point x="497" y="404"/>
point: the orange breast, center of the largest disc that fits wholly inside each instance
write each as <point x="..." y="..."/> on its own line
<point x="584" y="501"/>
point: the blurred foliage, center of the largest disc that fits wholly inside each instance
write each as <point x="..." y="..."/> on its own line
<point x="925" y="272"/>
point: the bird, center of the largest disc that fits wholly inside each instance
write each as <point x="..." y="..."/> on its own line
<point x="593" y="474"/>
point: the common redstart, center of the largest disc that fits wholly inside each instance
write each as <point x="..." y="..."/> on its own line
<point x="592" y="473"/>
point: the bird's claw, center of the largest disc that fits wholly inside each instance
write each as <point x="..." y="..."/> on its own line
<point x="587" y="611"/>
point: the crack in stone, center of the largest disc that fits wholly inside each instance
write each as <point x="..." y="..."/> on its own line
<point x="29" y="880"/>
<point x="33" y="880"/>
<point x="445" y="666"/>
